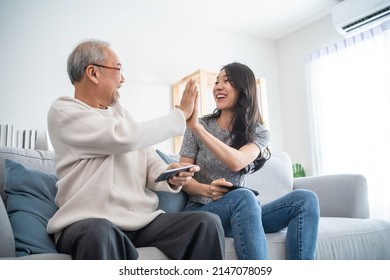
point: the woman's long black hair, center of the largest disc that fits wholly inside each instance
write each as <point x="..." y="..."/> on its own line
<point x="247" y="114"/>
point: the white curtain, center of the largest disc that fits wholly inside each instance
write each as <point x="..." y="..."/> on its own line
<point x="349" y="90"/>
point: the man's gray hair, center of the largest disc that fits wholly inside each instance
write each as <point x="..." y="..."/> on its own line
<point x="86" y="53"/>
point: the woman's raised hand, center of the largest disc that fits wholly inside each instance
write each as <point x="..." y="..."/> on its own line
<point x="188" y="100"/>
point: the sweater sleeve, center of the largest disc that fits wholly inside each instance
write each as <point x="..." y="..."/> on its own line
<point x="93" y="132"/>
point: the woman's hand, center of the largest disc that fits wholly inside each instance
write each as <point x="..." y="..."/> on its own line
<point x="219" y="188"/>
<point x="187" y="102"/>
<point x="193" y="121"/>
<point x="183" y="177"/>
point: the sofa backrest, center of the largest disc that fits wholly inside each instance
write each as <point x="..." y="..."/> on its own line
<point x="41" y="160"/>
<point x="272" y="181"/>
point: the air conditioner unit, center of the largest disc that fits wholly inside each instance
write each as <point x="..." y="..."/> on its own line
<point x="353" y="16"/>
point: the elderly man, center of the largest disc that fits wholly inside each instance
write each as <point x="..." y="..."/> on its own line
<point x="106" y="168"/>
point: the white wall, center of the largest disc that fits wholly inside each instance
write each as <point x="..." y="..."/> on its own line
<point x="156" y="50"/>
<point x="291" y="51"/>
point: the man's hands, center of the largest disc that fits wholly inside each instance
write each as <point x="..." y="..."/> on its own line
<point x="183" y="177"/>
<point x="188" y="100"/>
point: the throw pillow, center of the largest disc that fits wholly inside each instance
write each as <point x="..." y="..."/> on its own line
<point x="30" y="205"/>
<point x="170" y="202"/>
<point x="167" y="158"/>
<point x="274" y="179"/>
<point x="41" y="160"/>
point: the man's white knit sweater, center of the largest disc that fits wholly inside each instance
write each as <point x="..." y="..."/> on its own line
<point x="105" y="163"/>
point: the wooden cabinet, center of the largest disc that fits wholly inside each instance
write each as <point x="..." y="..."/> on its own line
<point x="205" y="81"/>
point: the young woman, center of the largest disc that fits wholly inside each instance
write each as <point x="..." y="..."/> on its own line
<point x="229" y="144"/>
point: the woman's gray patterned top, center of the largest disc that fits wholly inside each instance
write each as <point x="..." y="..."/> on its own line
<point x="212" y="168"/>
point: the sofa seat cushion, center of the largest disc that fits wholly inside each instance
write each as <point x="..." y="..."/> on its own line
<point x="347" y="238"/>
<point x="338" y="239"/>
<point x="42" y="257"/>
<point x="276" y="243"/>
<point x="151" y="253"/>
<point x="230" y="250"/>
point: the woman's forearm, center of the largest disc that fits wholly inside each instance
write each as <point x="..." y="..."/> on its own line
<point x="196" y="188"/>
<point x="234" y="159"/>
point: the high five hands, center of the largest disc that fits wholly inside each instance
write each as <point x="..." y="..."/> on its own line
<point x="188" y="102"/>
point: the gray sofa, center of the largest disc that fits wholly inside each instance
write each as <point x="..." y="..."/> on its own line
<point x="346" y="230"/>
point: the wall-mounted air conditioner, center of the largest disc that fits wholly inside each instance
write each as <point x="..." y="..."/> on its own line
<point x="353" y="16"/>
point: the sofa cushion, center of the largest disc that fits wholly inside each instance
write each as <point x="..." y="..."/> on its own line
<point x="41" y="160"/>
<point x="170" y="202"/>
<point x="274" y="179"/>
<point x="349" y="238"/>
<point x="30" y="204"/>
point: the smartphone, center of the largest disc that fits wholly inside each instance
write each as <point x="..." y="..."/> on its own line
<point x="234" y="187"/>
<point x="172" y="172"/>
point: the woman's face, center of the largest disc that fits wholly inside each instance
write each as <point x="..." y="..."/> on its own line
<point x="225" y="95"/>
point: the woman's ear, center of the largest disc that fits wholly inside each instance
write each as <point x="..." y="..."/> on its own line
<point x="92" y="74"/>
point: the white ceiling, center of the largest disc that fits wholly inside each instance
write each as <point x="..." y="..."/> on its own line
<point x="271" y="19"/>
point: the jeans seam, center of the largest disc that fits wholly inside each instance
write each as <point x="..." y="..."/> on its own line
<point x="300" y="232"/>
<point x="232" y="202"/>
<point x="240" y="233"/>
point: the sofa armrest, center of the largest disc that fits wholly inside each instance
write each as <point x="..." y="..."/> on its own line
<point x="7" y="242"/>
<point x="341" y="195"/>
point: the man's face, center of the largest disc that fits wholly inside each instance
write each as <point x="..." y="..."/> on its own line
<point x="110" y="79"/>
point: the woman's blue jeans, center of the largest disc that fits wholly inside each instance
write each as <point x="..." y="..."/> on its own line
<point x="247" y="222"/>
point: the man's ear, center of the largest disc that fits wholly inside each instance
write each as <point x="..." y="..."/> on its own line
<point x="92" y="74"/>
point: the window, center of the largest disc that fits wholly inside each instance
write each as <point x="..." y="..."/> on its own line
<point x="349" y="91"/>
